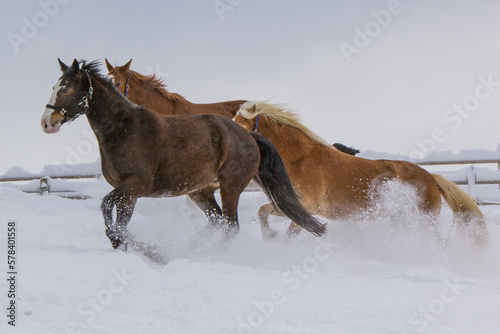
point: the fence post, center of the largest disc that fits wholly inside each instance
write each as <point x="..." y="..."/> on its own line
<point x="44" y="186"/>
<point x="470" y="174"/>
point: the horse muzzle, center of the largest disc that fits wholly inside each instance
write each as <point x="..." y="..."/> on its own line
<point x="48" y="126"/>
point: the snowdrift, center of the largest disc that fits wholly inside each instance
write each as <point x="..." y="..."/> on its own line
<point x="364" y="276"/>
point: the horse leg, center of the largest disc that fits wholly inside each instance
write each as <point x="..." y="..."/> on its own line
<point x="293" y="231"/>
<point x="116" y="230"/>
<point x="230" y="197"/>
<point x="264" y="212"/>
<point x="124" y="210"/>
<point x="205" y="200"/>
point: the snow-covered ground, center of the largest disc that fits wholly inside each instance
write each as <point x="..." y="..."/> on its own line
<point x="364" y="276"/>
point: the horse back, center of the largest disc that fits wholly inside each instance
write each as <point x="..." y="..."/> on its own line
<point x="227" y="109"/>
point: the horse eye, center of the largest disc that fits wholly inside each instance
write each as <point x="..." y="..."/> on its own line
<point x="117" y="84"/>
<point x="65" y="90"/>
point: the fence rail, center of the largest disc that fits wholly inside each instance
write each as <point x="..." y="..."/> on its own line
<point x="54" y="179"/>
<point x="478" y="172"/>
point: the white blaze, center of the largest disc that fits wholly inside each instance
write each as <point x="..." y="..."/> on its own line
<point x="46" y="115"/>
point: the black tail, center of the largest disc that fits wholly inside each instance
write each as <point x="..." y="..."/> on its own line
<point x="273" y="179"/>
<point x="345" y="149"/>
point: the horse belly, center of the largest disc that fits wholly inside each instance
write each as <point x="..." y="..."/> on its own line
<point x="182" y="180"/>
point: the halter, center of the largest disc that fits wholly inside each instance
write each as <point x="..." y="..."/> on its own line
<point x="84" y="100"/>
<point x="126" y="86"/>
<point x="255" y="128"/>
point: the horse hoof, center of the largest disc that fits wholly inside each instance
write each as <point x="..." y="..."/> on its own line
<point x="270" y="235"/>
<point x="120" y="246"/>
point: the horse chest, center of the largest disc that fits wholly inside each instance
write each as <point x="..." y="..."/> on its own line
<point x="111" y="175"/>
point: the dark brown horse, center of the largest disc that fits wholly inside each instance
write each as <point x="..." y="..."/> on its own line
<point x="145" y="154"/>
<point x="150" y="92"/>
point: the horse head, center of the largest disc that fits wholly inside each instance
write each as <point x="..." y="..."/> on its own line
<point x="247" y="116"/>
<point x="70" y="97"/>
<point x="120" y="76"/>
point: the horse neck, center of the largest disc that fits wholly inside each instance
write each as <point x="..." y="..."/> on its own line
<point x="106" y="110"/>
<point x="284" y="138"/>
<point x="149" y="97"/>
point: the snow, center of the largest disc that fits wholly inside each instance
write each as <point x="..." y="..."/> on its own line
<point x="364" y="276"/>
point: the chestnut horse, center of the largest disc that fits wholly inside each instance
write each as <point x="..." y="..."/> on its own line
<point x="333" y="184"/>
<point x="150" y="92"/>
<point x="145" y="154"/>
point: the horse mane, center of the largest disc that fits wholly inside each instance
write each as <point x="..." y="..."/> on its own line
<point x="280" y="114"/>
<point x="93" y="68"/>
<point x="154" y="82"/>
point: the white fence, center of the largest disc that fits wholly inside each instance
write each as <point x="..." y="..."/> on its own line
<point x="477" y="167"/>
<point x="69" y="181"/>
<point x="470" y="168"/>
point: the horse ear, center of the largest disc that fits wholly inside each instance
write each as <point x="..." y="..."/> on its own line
<point x="75" y="67"/>
<point x="126" y="67"/>
<point x="108" y="65"/>
<point x="63" y="66"/>
<point x="253" y="108"/>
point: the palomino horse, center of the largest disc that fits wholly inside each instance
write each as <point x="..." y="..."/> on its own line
<point x="145" y="154"/>
<point x="333" y="184"/>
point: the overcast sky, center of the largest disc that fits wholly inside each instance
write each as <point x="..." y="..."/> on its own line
<point x="392" y="76"/>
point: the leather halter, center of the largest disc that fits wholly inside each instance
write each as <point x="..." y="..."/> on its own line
<point x="126" y="86"/>
<point x="84" y="100"/>
<point x="256" y="123"/>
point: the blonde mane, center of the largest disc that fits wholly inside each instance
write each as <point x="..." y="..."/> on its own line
<point x="278" y="113"/>
<point x="154" y="82"/>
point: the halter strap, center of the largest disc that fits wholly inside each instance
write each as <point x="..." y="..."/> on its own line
<point x="127" y="86"/>
<point x="83" y="100"/>
<point x="256" y="123"/>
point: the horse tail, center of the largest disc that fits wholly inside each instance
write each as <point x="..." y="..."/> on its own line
<point x="273" y="179"/>
<point x="466" y="213"/>
<point x="349" y="150"/>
